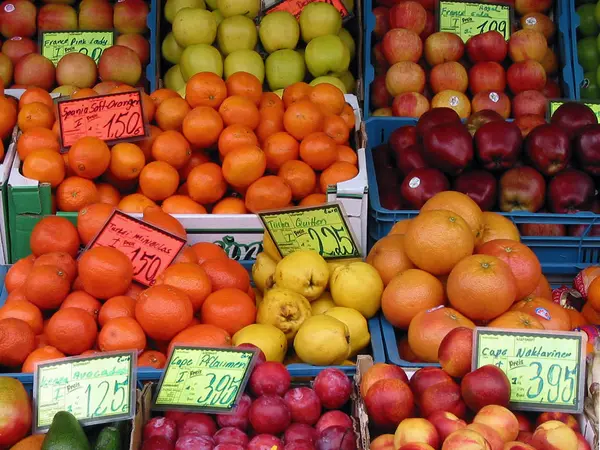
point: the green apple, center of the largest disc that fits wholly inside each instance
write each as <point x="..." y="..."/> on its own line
<point x="279" y="30"/>
<point x="284" y="67"/>
<point x="279" y="92"/>
<point x="212" y="4"/>
<point x="171" y="50"/>
<point x="331" y="80"/>
<point x="348" y="41"/>
<point x="181" y="91"/>
<point x="245" y="61"/>
<point x="248" y="8"/>
<point x="218" y="16"/>
<point x="326" y="54"/>
<point x="200" y="58"/>
<point x="173" y="78"/>
<point x="65" y="90"/>
<point x="348" y="79"/>
<point x="319" y="19"/>
<point x="172" y="7"/>
<point x="194" y="26"/>
<point x="236" y="33"/>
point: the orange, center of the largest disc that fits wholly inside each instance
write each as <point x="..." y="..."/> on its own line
<point x="205" y="89"/>
<point x="590" y="314"/>
<point x="577" y="318"/>
<point x="36" y="94"/>
<point x="230" y="205"/>
<point x="270" y="192"/>
<point x="189" y="278"/>
<point x="481" y="287"/>
<point x="105" y="87"/>
<point x="235" y="136"/>
<point x="40" y="355"/>
<point x="33" y="442"/>
<point x="146" y="144"/>
<point x="313" y="200"/>
<point x="62" y="260"/>
<point x="336" y="173"/>
<point x="134" y="290"/>
<point x="303" y="118"/>
<point x="71" y="331"/>
<point x="244" y="165"/>
<point x="172" y="148"/>
<point x="8" y="117"/>
<point x="516" y="320"/>
<point x="389" y="258"/>
<point x="182" y="204"/>
<point x="35" y="115"/>
<point x="82" y="300"/>
<point x="229" y="309"/>
<point x="299" y="176"/>
<point x="89" y="157"/>
<point x="91" y="219"/>
<point x="198" y="157"/>
<point x="226" y="273"/>
<point x="45" y="166"/>
<point x="18" y="295"/>
<point x="280" y="148"/>
<point x="328" y="97"/>
<point x="158" y="180"/>
<point x="170" y="113"/>
<point x="18" y="272"/>
<point x="542" y="289"/>
<point x="105" y="272"/>
<point x="400" y="227"/>
<point x="496" y="226"/>
<point x="551" y="315"/>
<point x="428" y="328"/>
<point x="25" y="311"/>
<point x="271" y="101"/>
<point x="246" y="85"/>
<point x="156" y="216"/>
<point x="348" y="116"/>
<point x="239" y="110"/>
<point x="458" y="203"/>
<point x="335" y="127"/>
<point x="37" y="139"/>
<point x="126" y="161"/>
<point x="346" y="154"/>
<point x="203" y="335"/>
<point x="119" y="306"/>
<point x="47" y="286"/>
<point x="160" y="95"/>
<point x="271" y="122"/>
<point x="148" y="107"/>
<point x="135" y="203"/>
<point x="202" y="127"/>
<point x="75" y="193"/>
<point x="152" y="358"/>
<point x="206" y="183"/>
<point x="121" y="333"/>
<point x="593" y="294"/>
<point x="436" y="241"/>
<point x="186" y="255"/>
<point x="54" y="234"/>
<point x="17" y="341"/>
<point x="296" y="92"/>
<point x="84" y="93"/>
<point x="524" y="264"/>
<point x="318" y="150"/>
<point x="207" y="250"/>
<point x="163" y="311"/>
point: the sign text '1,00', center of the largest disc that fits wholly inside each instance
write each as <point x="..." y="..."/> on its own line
<point x="468" y="19"/>
<point x="112" y="117"/>
<point x="56" y="44"/>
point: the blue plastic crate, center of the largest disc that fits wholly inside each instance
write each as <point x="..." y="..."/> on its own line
<point x="566" y="46"/>
<point x="154" y="38"/>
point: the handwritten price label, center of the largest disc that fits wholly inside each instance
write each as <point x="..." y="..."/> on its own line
<point x="468" y="19"/>
<point x="112" y="118"/>
<point x="95" y="389"/>
<point x="323" y="229"/>
<point x="295" y="7"/>
<point x="56" y="44"/>
<point x="204" y="379"/>
<point x="546" y="370"/>
<point x="150" y="249"/>
<point x="553" y="105"/>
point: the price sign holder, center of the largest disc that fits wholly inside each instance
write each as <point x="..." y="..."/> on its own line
<point x="295" y="7"/>
<point x="113" y="118"/>
<point x="95" y="389"/>
<point x="324" y="229"/>
<point x="554" y="104"/>
<point x="55" y="44"/>
<point x="546" y="370"/>
<point x="203" y="379"/>
<point x="150" y="249"/>
<point x="469" y="18"/>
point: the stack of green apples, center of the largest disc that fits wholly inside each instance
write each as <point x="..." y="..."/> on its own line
<point x="588" y="47"/>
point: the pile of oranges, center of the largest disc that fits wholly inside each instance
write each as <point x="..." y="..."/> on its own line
<point x="227" y="148"/>
<point x="59" y="306"/>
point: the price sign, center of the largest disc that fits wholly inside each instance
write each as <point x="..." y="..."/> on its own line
<point x="150" y="249"/>
<point x="323" y="229"/>
<point x="295" y="7"/>
<point x="546" y="370"/>
<point x="204" y="379"/>
<point x="112" y="118"/>
<point x="553" y="105"/>
<point x="55" y="44"/>
<point x="95" y="389"/>
<point x="468" y="19"/>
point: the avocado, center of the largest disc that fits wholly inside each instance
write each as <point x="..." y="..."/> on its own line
<point x="108" y="439"/>
<point x="65" y="433"/>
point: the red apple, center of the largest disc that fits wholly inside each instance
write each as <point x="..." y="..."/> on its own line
<point x="442" y="47"/>
<point x="382" y="22"/>
<point x="527" y="6"/>
<point x="436" y="116"/>
<point x="542" y="229"/>
<point x="526" y="75"/>
<point x="429" y="26"/>
<point x="527" y="44"/>
<point x="410" y="104"/>
<point x="571" y="191"/>
<point x="498" y="145"/>
<point x="379" y="61"/>
<point x="529" y="102"/>
<point x="382" y="112"/>
<point x="487" y="385"/>
<point x="57" y="17"/>
<point x="380" y="97"/>
<point x="548" y="148"/>
<point x="572" y="116"/>
<point x="587" y="149"/>
<point x="17" y="18"/>
<point x="522" y="189"/>
<point x="480" y="185"/>
<point x="35" y="70"/>
<point x="551" y="89"/>
<point x="529" y="122"/>
<point x="409" y="15"/>
<point x="493" y="100"/>
<point x="488" y="46"/>
<point x="487" y="76"/>
<point x="479" y="118"/>
<point x="403" y="137"/>
<point x="449" y="147"/>
<point x="17" y="47"/>
<point x="449" y="75"/>
<point x="405" y="76"/>
<point x="410" y="158"/>
<point x="401" y="45"/>
<point x="422" y="184"/>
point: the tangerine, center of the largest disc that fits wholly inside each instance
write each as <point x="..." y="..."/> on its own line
<point x="226" y="273"/>
<point x="75" y="193"/>
<point x="152" y="358"/>
<point x="202" y="127"/>
<point x="280" y="148"/>
<point x="25" y="311"/>
<point x="105" y="272"/>
<point x="203" y="335"/>
<point x="189" y="278"/>
<point x="171" y="112"/>
<point x="71" y="331"/>
<point x="54" y="234"/>
<point x="119" y="306"/>
<point x="246" y="85"/>
<point x="17" y="341"/>
<point x="235" y="136"/>
<point x="91" y="219"/>
<point x="40" y="355"/>
<point x="318" y="150"/>
<point x="230" y="205"/>
<point x="82" y="300"/>
<point x="336" y="173"/>
<point x="243" y="166"/>
<point x="18" y="272"/>
<point x="207" y="250"/>
<point x="45" y="166"/>
<point x="121" y="334"/>
<point x="206" y="183"/>
<point x="270" y="192"/>
<point x="302" y="118"/>
<point x="163" y="311"/>
<point x="182" y="204"/>
<point x="299" y="176"/>
<point x="229" y="309"/>
<point x="239" y="110"/>
<point x="205" y="89"/>
<point x="47" y="286"/>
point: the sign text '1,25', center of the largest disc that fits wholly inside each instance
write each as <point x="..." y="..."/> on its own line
<point x="467" y="19"/>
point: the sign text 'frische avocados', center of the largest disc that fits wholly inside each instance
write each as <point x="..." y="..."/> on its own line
<point x="95" y="389"/>
<point x="467" y="19"/>
<point x="553" y="105"/>
<point x="204" y="379"/>
<point x="546" y="370"/>
<point x="323" y="229"/>
<point x="56" y="44"/>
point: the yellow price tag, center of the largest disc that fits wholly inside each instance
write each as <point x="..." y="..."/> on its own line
<point x="467" y="19"/>
<point x="553" y="105"/>
<point x="323" y="229"/>
<point x="94" y="389"/>
<point x="55" y="44"/>
<point x="546" y="370"/>
<point x="204" y="379"/>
